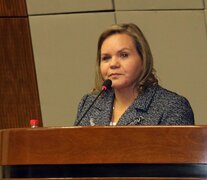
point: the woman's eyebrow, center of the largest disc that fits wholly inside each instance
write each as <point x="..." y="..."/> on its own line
<point x="105" y="54"/>
<point x="124" y="49"/>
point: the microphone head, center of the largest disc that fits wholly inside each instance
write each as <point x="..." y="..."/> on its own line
<point x="106" y="85"/>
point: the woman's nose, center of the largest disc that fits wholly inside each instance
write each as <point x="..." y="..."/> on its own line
<point x="114" y="63"/>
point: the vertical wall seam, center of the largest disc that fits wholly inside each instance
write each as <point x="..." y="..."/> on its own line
<point x="205" y="22"/>
<point x="114" y="8"/>
<point x="205" y="16"/>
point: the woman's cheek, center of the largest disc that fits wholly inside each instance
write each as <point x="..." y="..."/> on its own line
<point x="103" y="71"/>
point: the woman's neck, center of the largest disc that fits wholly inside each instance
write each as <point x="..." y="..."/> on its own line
<point x="125" y="97"/>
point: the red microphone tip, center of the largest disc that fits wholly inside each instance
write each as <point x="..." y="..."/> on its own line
<point x="104" y="88"/>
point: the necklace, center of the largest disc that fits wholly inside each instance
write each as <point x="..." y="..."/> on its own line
<point x="113" y="123"/>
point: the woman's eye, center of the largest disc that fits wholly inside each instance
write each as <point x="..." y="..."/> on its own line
<point x="124" y="55"/>
<point x="105" y="58"/>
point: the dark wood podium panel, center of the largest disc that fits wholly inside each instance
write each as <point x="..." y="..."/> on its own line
<point x="105" y="152"/>
<point x="105" y="179"/>
<point x="103" y="145"/>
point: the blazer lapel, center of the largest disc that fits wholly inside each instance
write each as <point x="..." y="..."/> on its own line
<point x="135" y="114"/>
<point x="103" y="109"/>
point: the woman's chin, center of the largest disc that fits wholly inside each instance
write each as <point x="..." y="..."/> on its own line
<point x="118" y="86"/>
<point x="122" y="85"/>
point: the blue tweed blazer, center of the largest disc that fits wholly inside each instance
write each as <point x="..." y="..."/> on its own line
<point x="155" y="106"/>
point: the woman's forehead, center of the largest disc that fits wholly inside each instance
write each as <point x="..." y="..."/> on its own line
<point x="117" y="42"/>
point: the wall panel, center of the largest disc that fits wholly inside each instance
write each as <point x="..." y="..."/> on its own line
<point x="178" y="42"/>
<point x="65" y="6"/>
<point x="19" y="97"/>
<point x="206" y="19"/>
<point x="206" y="16"/>
<point x="65" y="53"/>
<point x="19" y="93"/>
<point x="177" y="35"/>
<point x="158" y="4"/>
<point x="13" y="8"/>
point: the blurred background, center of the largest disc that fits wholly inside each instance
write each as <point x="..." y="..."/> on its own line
<point x="60" y="50"/>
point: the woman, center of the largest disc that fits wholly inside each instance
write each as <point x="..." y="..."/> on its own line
<point x="124" y="57"/>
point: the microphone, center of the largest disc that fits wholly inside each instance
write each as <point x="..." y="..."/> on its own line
<point x="106" y="85"/>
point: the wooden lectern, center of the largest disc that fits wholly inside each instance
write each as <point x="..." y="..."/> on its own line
<point x="156" y="152"/>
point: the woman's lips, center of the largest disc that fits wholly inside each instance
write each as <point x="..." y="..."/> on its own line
<point x="115" y="74"/>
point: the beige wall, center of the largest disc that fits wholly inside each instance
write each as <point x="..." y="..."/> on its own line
<point x="157" y="4"/>
<point x="41" y="7"/>
<point x="178" y="42"/>
<point x="64" y="48"/>
<point x="65" y="32"/>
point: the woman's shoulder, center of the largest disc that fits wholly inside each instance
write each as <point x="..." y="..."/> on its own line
<point x="166" y="94"/>
<point x="171" y="99"/>
<point x="84" y="104"/>
<point x="90" y="97"/>
<point x="86" y="99"/>
<point x="176" y="108"/>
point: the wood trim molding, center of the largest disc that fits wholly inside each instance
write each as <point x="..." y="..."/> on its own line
<point x="13" y="8"/>
<point x="19" y="92"/>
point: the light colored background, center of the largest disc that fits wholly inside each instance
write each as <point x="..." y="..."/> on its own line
<point x="65" y="33"/>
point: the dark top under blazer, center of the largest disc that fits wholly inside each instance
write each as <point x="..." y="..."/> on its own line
<point x="155" y="106"/>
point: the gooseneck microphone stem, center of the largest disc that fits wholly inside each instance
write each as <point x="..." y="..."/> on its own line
<point x="106" y="85"/>
<point x="89" y="108"/>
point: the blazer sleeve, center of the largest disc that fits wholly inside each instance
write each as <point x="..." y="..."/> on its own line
<point x="80" y="107"/>
<point x="178" y="112"/>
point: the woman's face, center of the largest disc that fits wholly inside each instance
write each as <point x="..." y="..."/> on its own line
<point x="120" y="61"/>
